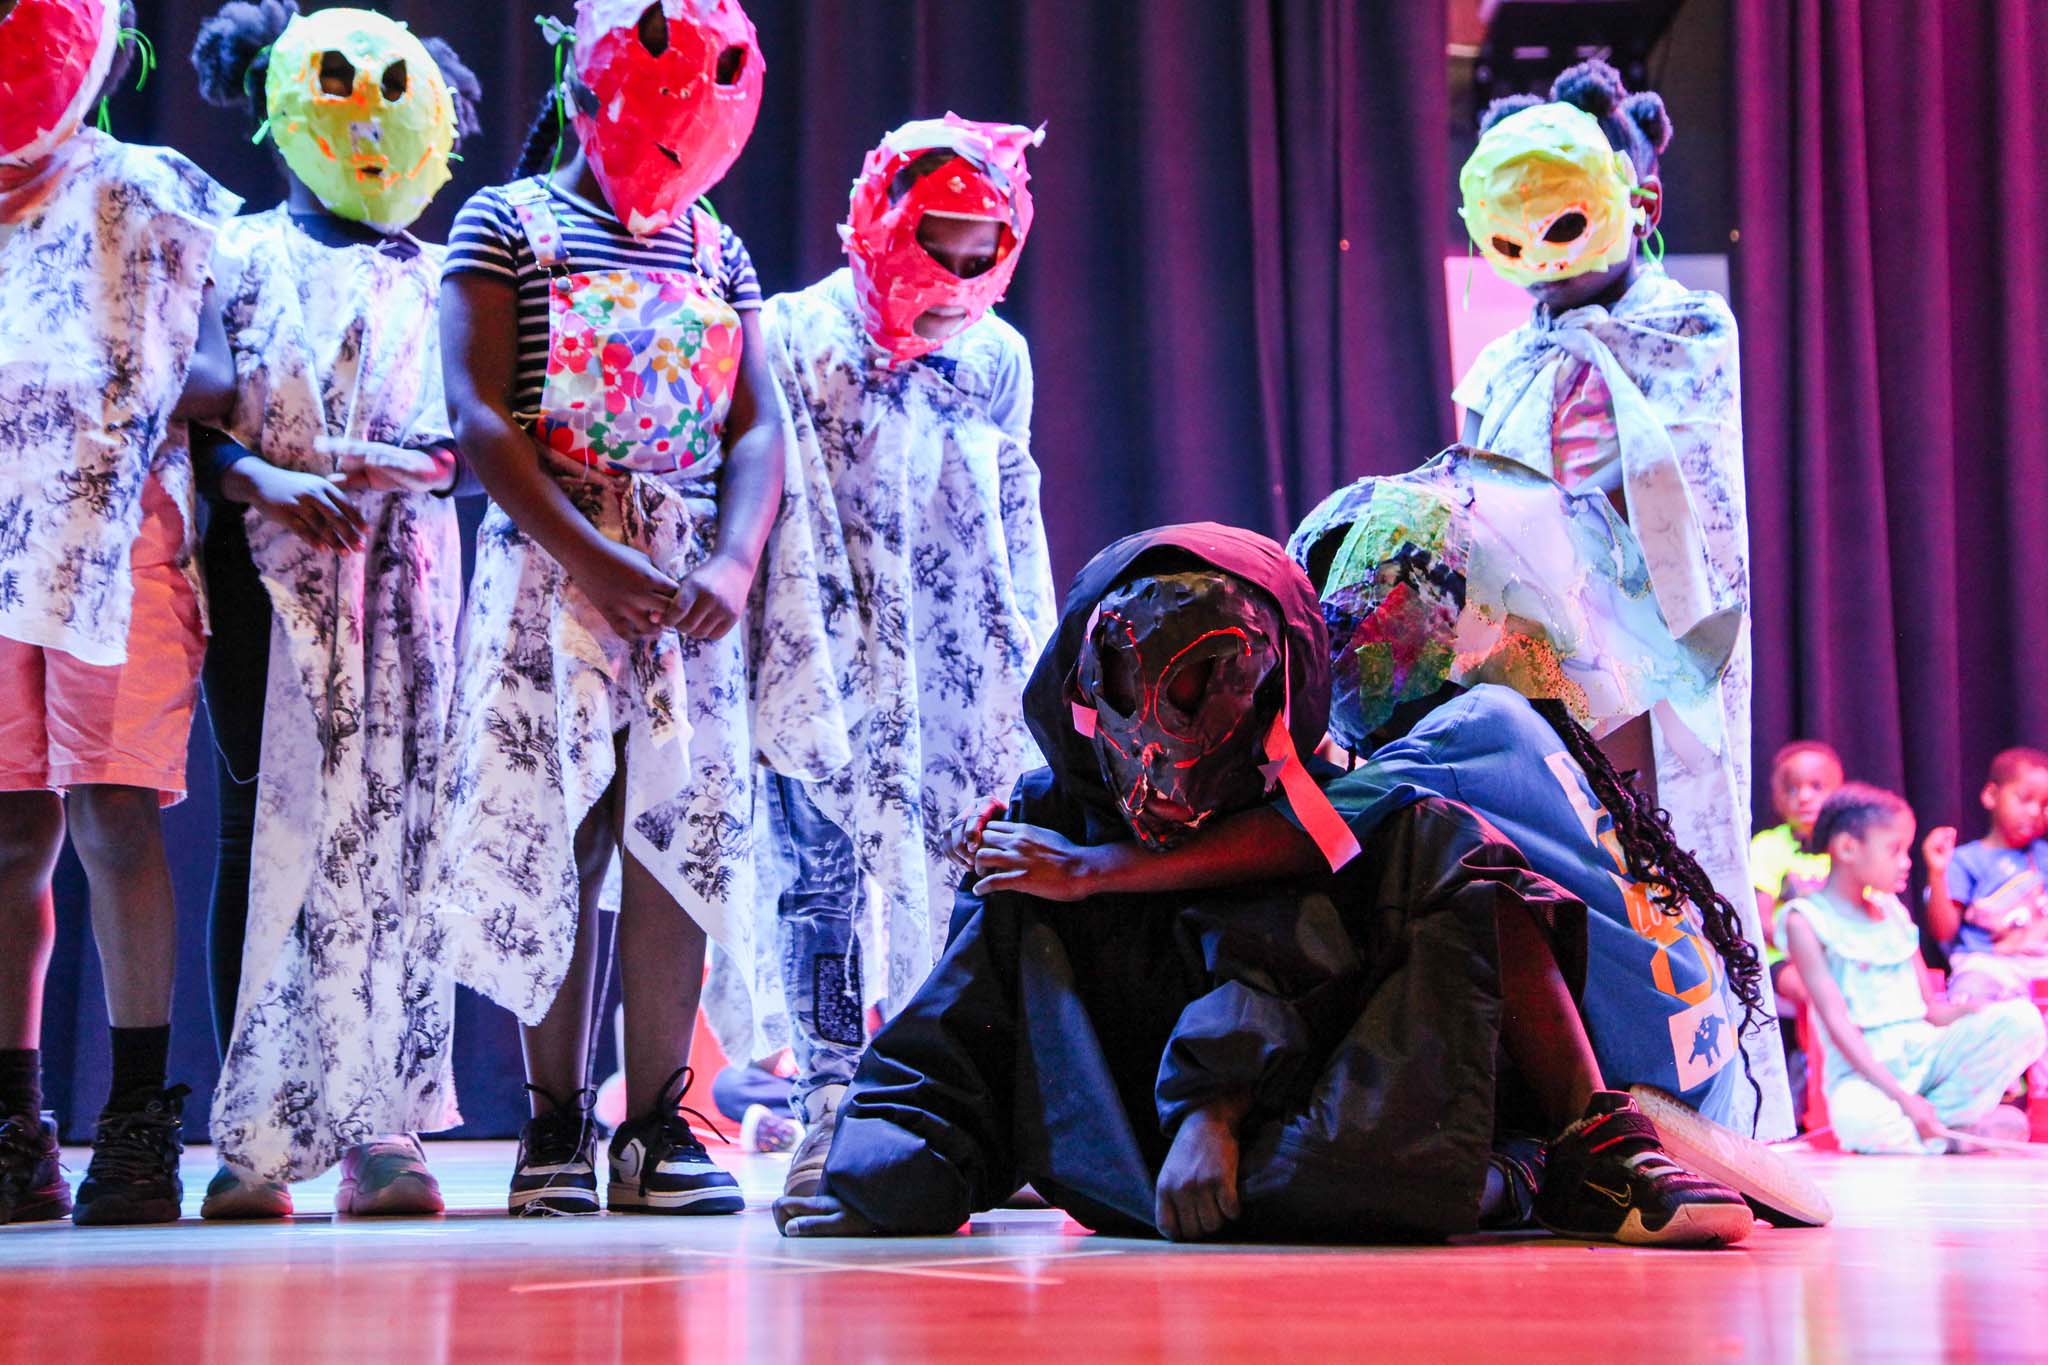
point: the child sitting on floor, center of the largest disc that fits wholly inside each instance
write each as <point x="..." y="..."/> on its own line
<point x="1906" y="1071"/>
<point x="1986" y="901"/>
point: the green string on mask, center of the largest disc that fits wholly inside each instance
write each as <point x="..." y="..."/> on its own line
<point x="560" y="37"/>
<point x="145" y="66"/>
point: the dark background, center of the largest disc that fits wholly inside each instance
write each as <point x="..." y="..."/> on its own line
<point x="1234" y="303"/>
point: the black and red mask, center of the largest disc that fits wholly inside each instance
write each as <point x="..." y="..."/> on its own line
<point x="1179" y="681"/>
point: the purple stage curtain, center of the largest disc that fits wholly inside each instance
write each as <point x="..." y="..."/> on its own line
<point x="1206" y="346"/>
<point x="1889" y="182"/>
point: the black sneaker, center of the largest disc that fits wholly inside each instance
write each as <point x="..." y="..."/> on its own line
<point x="1519" y="1162"/>
<point x="32" y="1185"/>
<point x="555" y="1177"/>
<point x="133" y="1177"/>
<point x="1609" y="1179"/>
<point x="658" y="1166"/>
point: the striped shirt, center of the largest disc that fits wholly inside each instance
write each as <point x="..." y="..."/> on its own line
<point x="488" y="240"/>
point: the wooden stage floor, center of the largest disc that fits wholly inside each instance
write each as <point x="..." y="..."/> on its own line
<point x="1928" y="1259"/>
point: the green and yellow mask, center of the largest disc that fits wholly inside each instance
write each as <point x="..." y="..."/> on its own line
<point x="362" y="115"/>
<point x="1546" y="197"/>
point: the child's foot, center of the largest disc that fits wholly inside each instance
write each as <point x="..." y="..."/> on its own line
<point x="1514" y="1174"/>
<point x="1774" y="1188"/>
<point x="555" y="1177"/>
<point x="1609" y="1179"/>
<point x="807" y="1168"/>
<point x="387" y="1178"/>
<point x="133" y="1177"/>
<point x="659" y="1166"/>
<point x="232" y="1194"/>
<point x="32" y="1185"/>
<point x="764" y="1130"/>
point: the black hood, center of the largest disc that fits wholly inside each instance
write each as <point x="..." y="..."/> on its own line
<point x="1176" y="549"/>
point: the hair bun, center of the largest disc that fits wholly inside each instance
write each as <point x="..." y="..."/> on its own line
<point x="1592" y="85"/>
<point x="1646" y="110"/>
<point x="463" y="86"/>
<point x="230" y="44"/>
<point x="1504" y="106"/>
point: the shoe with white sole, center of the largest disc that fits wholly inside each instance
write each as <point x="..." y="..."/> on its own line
<point x="659" y="1166"/>
<point x="1608" y="1179"/>
<point x="387" y="1178"/>
<point x="555" y="1177"/>
<point x="1773" y="1186"/>
<point x="807" y="1168"/>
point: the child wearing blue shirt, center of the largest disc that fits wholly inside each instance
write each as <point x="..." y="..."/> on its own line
<point x="1987" y="901"/>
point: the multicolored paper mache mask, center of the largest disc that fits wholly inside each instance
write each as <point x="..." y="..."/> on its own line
<point x="896" y="279"/>
<point x="1184" y="676"/>
<point x="665" y="96"/>
<point x="362" y="114"/>
<point x="54" y="57"/>
<point x="1478" y="569"/>
<point x="1547" y="198"/>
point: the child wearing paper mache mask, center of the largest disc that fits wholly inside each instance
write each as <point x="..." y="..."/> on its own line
<point x="1625" y="381"/>
<point x="110" y="343"/>
<point x="910" y="403"/>
<point x="330" y="489"/>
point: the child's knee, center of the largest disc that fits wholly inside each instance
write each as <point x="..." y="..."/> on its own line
<point x="31" y="834"/>
<point x="2016" y="1025"/>
<point x="110" y="826"/>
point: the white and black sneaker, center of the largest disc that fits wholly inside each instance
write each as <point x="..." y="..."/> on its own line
<point x="659" y="1166"/>
<point x="556" y="1177"/>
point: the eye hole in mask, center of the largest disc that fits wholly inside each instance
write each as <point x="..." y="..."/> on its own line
<point x="1568" y="227"/>
<point x="396" y="82"/>
<point x="337" y="75"/>
<point x="653" y="31"/>
<point x="1188" y="684"/>
<point x="732" y="64"/>
<point x="1507" y="248"/>
<point x="1119" y="687"/>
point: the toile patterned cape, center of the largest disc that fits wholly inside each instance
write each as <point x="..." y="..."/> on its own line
<point x="345" y="1019"/>
<point x="104" y="281"/>
<point x="938" y="592"/>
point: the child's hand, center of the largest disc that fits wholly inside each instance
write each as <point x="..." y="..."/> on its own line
<point x="1197" y="1191"/>
<point x="963" y="836"/>
<point x="309" y="506"/>
<point x="713" y="597"/>
<point x="1942" y="1013"/>
<point x="1938" y="849"/>
<point x="1034" y="861"/>
<point x="636" y="599"/>
<point x="374" y="467"/>
<point x="1926" y="1122"/>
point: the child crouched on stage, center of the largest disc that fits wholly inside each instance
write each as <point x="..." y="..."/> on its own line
<point x="1336" y="1052"/>
<point x="1906" y="1072"/>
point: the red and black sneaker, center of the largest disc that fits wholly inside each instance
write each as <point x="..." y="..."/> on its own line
<point x="1609" y="1179"/>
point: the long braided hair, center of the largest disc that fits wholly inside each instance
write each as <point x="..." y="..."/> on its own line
<point x="1674" y="877"/>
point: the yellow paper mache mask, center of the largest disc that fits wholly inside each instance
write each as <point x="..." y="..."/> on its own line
<point x="378" y="153"/>
<point x="1547" y="198"/>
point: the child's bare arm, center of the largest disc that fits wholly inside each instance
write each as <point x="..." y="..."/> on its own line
<point x="1252" y="846"/>
<point x="1944" y="916"/>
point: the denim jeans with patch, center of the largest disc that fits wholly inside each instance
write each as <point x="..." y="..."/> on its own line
<point x="816" y="942"/>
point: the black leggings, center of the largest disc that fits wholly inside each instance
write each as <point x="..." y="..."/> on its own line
<point x="237" y="675"/>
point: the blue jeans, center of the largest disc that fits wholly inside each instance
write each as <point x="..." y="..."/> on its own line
<point x="816" y="942"/>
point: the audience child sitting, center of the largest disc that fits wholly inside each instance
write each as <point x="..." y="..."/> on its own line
<point x="1986" y="901"/>
<point x="1907" y="1072"/>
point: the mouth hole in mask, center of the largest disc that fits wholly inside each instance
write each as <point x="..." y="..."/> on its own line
<point x="337" y="74"/>
<point x="1509" y="249"/>
<point x="674" y="159"/>
<point x="653" y="30"/>
<point x="396" y="82"/>
<point x="1569" y="227"/>
<point x="732" y="64"/>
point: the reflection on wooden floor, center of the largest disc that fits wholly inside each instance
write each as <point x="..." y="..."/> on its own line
<point x="1929" y="1258"/>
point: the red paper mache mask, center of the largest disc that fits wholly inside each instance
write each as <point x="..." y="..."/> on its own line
<point x="896" y="279"/>
<point x="54" y="56"/>
<point x="665" y="96"/>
